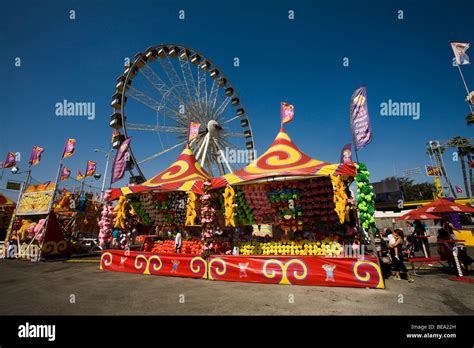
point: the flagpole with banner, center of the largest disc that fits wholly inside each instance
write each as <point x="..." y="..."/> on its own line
<point x="68" y="151"/>
<point x="287" y="113"/>
<point x="359" y="120"/>
<point x="461" y="58"/>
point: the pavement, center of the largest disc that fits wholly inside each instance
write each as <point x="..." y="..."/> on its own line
<point x="80" y="288"/>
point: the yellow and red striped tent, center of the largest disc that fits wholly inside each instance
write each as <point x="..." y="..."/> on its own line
<point x="283" y="158"/>
<point x="185" y="174"/>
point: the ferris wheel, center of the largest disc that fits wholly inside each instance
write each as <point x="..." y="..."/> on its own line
<point x="161" y="92"/>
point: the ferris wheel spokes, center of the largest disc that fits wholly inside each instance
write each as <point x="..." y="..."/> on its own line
<point x="162" y="152"/>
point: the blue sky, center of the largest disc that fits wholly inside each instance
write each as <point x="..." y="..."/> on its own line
<point x="299" y="61"/>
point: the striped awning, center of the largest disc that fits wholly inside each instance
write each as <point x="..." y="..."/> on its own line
<point x="185" y="174"/>
<point x="283" y="158"/>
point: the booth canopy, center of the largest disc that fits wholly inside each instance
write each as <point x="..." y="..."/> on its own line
<point x="185" y="174"/>
<point x="413" y="215"/>
<point x="283" y="158"/>
<point x="444" y="206"/>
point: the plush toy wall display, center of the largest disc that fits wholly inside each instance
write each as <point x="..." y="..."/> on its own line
<point x="285" y="200"/>
<point x="257" y="199"/>
<point x="243" y="212"/>
<point x="142" y="214"/>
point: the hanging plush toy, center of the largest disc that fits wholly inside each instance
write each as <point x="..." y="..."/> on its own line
<point x="340" y="197"/>
<point x="208" y="216"/>
<point x="229" y="195"/>
<point x="191" y="209"/>
<point x="365" y="197"/>
<point x="121" y="213"/>
<point x="106" y="224"/>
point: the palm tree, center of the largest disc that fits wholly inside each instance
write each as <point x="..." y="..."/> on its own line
<point x="470" y="151"/>
<point x="437" y="154"/>
<point x="462" y="146"/>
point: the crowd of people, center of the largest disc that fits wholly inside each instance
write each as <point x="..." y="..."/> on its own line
<point x="397" y="246"/>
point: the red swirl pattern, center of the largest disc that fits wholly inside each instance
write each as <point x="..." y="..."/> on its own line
<point x="185" y="168"/>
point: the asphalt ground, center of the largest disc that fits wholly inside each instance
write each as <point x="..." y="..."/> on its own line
<point x="80" y="288"/>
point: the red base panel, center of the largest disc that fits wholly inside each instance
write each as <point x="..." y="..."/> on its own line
<point x="296" y="270"/>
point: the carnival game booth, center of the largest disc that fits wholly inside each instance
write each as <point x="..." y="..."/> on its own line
<point x="7" y="207"/>
<point x="283" y="191"/>
<point x="166" y="203"/>
<point x="35" y="229"/>
<point x="78" y="213"/>
<point x="301" y="203"/>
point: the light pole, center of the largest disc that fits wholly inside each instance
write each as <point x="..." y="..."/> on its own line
<point x="107" y="155"/>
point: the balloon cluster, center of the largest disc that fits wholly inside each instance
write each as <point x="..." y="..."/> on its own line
<point x="285" y="201"/>
<point x="243" y="212"/>
<point x="142" y="214"/>
<point x="317" y="201"/>
<point x="365" y="197"/>
<point x="106" y="224"/>
<point x="229" y="195"/>
<point x="208" y="218"/>
<point x="257" y="199"/>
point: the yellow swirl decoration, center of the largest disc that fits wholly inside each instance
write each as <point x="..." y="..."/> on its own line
<point x="105" y="260"/>
<point x="197" y="269"/>
<point x="183" y="168"/>
<point x="271" y="274"/>
<point x="217" y="270"/>
<point x="54" y="247"/>
<point x="61" y="246"/>
<point x="141" y="261"/>
<point x="366" y="277"/>
<point x="48" y="247"/>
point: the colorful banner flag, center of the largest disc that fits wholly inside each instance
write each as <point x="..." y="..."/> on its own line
<point x="459" y="49"/>
<point x="120" y="161"/>
<point x="65" y="174"/>
<point x="360" y="121"/>
<point x="287" y="112"/>
<point x="458" y="189"/>
<point x="35" y="156"/>
<point x="433" y="171"/>
<point x="79" y="176"/>
<point x="193" y="130"/>
<point x="91" y="167"/>
<point x="346" y="154"/>
<point x="69" y="148"/>
<point x="10" y="161"/>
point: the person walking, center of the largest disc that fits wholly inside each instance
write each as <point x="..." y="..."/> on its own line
<point x="178" y="242"/>
<point x="397" y="257"/>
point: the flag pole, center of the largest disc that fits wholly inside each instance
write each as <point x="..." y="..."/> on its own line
<point x="51" y="205"/>
<point x="465" y="85"/>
